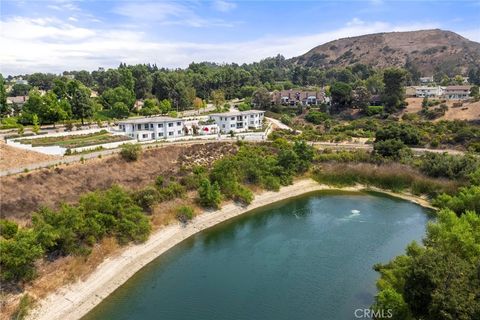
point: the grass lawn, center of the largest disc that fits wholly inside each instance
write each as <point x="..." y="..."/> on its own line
<point x="75" y="141"/>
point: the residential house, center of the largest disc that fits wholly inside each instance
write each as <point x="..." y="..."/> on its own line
<point x="295" y="97"/>
<point x="457" y="92"/>
<point x="424" y="91"/>
<point x="153" y="128"/>
<point x="19" y="101"/>
<point x="238" y="121"/>
<point x="410" y="91"/>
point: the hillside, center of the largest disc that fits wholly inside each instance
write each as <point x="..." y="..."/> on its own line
<point x="429" y="51"/>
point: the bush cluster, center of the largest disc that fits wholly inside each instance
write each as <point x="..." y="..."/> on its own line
<point x="71" y="230"/>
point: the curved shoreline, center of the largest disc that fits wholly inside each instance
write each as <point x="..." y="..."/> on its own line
<point x="76" y="300"/>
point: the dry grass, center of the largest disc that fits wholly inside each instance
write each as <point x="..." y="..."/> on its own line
<point x="11" y="157"/>
<point x="469" y="111"/>
<point x="24" y="193"/>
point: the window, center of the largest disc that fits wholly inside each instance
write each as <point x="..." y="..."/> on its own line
<point x="146" y="125"/>
<point x="251" y="122"/>
<point x="223" y="126"/>
<point x="232" y="125"/>
<point x="233" y="118"/>
<point x="139" y="126"/>
<point x="251" y="116"/>
<point x="179" y="123"/>
<point x="160" y="125"/>
<point x="145" y="135"/>
<point x="170" y="124"/>
<point x="179" y="131"/>
<point x="151" y="125"/>
<point x="170" y="133"/>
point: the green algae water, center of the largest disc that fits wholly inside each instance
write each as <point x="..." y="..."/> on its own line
<point x="305" y="258"/>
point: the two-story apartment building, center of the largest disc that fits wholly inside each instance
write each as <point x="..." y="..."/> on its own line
<point x="153" y="128"/>
<point x="424" y="91"/>
<point x="457" y="92"/>
<point x="238" y="121"/>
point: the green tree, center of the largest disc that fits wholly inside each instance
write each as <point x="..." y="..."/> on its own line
<point x="79" y="99"/>
<point x="361" y="97"/>
<point x="36" y="124"/>
<point x="119" y="110"/>
<point x="393" y="96"/>
<point x="143" y="81"/>
<point x="4" y="108"/>
<point x="261" y="98"/>
<point x="474" y="92"/>
<point x="118" y="94"/>
<point x="19" y="89"/>
<point x="341" y="93"/>
<point x="218" y="98"/>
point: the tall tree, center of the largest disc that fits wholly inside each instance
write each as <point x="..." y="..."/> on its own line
<point x="341" y="93"/>
<point x="4" y="108"/>
<point x="261" y="98"/>
<point x="218" y="98"/>
<point x="79" y="98"/>
<point x="393" y="96"/>
<point x="143" y="81"/>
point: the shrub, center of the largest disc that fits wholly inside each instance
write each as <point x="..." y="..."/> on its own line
<point x="8" y="229"/>
<point x="243" y="195"/>
<point x="171" y="191"/>
<point x="373" y="110"/>
<point x="18" y="256"/>
<point x="130" y="152"/>
<point x="209" y="195"/>
<point x="316" y="117"/>
<point x="159" y="181"/>
<point x="389" y="148"/>
<point x="184" y="214"/>
<point x="147" y="197"/>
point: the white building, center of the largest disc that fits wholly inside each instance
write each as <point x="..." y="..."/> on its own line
<point x="426" y="79"/>
<point x="423" y="91"/>
<point x="153" y="128"/>
<point x="238" y="121"/>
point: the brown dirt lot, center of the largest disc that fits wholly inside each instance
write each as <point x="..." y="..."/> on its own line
<point x="22" y="194"/>
<point x="469" y="111"/>
<point x="11" y="157"/>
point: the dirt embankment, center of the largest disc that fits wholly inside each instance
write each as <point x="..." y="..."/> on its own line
<point x="22" y="194"/>
<point x="469" y="111"/>
<point x="11" y="157"/>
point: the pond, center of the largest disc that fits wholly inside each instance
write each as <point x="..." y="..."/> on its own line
<point x="305" y="258"/>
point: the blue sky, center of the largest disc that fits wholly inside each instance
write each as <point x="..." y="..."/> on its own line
<point x="52" y="36"/>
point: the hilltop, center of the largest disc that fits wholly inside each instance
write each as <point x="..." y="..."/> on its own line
<point x="429" y="51"/>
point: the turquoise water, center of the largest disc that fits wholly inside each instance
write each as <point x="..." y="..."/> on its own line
<point x="305" y="258"/>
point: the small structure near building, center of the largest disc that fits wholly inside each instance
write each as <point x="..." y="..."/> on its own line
<point x="457" y="92"/>
<point x="238" y="121"/>
<point x="294" y="97"/>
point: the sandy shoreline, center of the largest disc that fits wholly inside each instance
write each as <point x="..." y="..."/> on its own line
<point x="77" y="299"/>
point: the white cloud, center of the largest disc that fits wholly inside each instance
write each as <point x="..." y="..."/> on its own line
<point x="50" y="45"/>
<point x="166" y="13"/>
<point x="224" y="6"/>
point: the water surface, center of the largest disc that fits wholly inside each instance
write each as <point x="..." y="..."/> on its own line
<point x="305" y="258"/>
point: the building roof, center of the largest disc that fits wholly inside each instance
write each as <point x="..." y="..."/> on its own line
<point x="237" y="113"/>
<point x="458" y="88"/>
<point x="17" y="99"/>
<point x="150" y="120"/>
